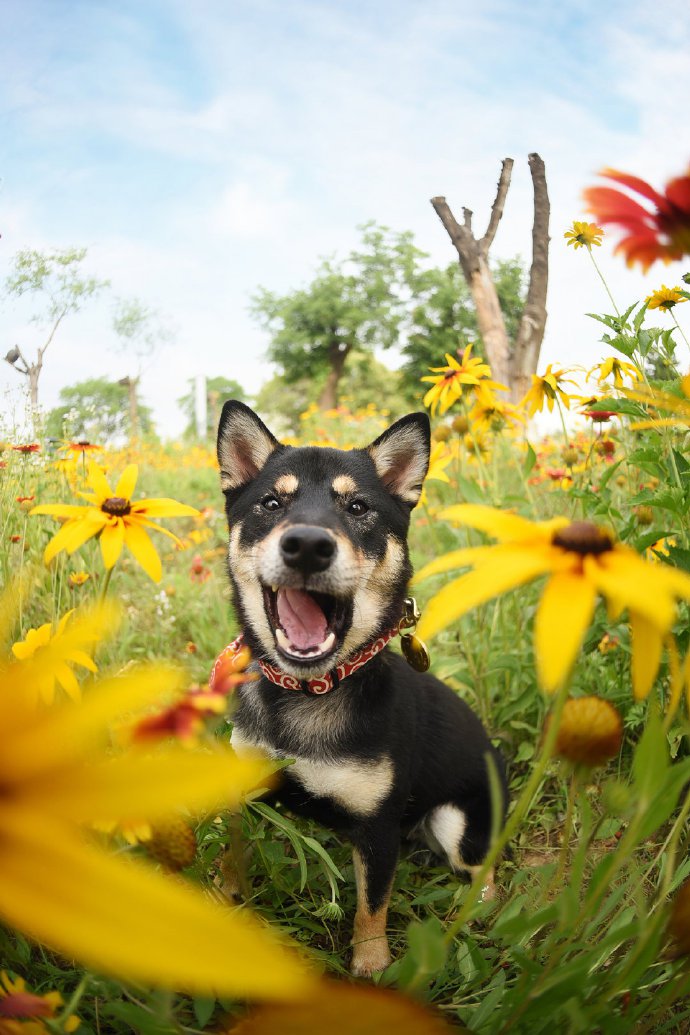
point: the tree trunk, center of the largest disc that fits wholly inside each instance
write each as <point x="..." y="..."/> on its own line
<point x="34" y="374"/>
<point x="510" y="365"/>
<point x="337" y="354"/>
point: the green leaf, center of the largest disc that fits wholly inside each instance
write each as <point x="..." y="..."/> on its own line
<point x="530" y="460"/>
<point x="203" y="1009"/>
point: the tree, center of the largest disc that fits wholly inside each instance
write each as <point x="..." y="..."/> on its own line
<point x="96" y="410"/>
<point x="512" y="363"/>
<point x="60" y="287"/>
<point x="356" y="303"/>
<point x="218" y="389"/>
<point x="443" y="317"/>
<point x="140" y="332"/>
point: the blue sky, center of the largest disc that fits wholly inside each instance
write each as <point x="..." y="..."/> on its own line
<point x="200" y="150"/>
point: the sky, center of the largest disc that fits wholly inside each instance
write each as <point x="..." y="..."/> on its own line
<point x="200" y="150"/>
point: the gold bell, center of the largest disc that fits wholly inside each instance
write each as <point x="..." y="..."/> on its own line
<point x="414" y="650"/>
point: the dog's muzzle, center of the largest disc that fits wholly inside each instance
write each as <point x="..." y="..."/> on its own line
<point x="307" y="548"/>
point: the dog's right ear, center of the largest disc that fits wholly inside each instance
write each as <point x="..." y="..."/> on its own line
<point x="244" y="445"/>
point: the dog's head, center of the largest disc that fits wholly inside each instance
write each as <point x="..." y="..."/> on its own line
<point x="318" y="555"/>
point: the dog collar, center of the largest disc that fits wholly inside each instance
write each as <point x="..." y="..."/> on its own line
<point x="320" y="684"/>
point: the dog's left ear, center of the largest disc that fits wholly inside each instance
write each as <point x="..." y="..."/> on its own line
<point x="244" y="445"/>
<point x="401" y="456"/>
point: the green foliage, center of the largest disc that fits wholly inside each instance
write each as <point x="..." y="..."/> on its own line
<point x="96" y="410"/>
<point x="55" y="278"/>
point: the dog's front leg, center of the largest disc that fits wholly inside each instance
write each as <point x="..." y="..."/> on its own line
<point x="375" y="855"/>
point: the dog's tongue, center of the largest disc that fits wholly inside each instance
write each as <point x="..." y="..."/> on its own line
<point x="301" y="617"/>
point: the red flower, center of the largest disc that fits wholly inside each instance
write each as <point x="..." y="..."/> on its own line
<point x="659" y="232"/>
<point x="32" y="448"/>
<point x="600" y="416"/>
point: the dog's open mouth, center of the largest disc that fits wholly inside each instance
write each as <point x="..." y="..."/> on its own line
<point x="307" y="626"/>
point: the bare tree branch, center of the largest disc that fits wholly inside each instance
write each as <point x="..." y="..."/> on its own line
<point x="498" y="206"/>
<point x="533" y="323"/>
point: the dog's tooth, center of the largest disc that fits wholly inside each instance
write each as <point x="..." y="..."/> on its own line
<point x="327" y="643"/>
<point x="282" y="640"/>
<point x="274" y="589"/>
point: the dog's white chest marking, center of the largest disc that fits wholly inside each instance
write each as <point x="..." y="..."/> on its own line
<point x="356" y="785"/>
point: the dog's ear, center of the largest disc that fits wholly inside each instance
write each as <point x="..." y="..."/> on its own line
<point x="244" y="445"/>
<point x="401" y="456"/>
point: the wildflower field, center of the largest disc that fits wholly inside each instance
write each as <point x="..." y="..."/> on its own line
<point x="553" y="576"/>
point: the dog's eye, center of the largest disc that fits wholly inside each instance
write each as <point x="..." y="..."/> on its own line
<point x="271" y="503"/>
<point x="357" y="508"/>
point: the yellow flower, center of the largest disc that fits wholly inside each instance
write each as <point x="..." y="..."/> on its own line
<point x="439" y="459"/>
<point x="590" y="731"/>
<point x="583" y="562"/>
<point x="78" y="578"/>
<point x="114" y="914"/>
<point x="117" y="518"/>
<point x="584" y="235"/>
<point x="448" y="385"/>
<point x="616" y="368"/>
<point x="49" y="655"/>
<point x="665" y="298"/>
<point x="547" y="388"/>
<point x="21" y="1010"/>
<point x="490" y="413"/>
<point x="663" y="401"/>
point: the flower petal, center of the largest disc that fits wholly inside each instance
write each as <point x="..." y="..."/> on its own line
<point x="139" y="542"/>
<point x="98" y="483"/>
<point x="646" y="654"/>
<point x="112" y="540"/>
<point x="455" y="559"/>
<point x="163" y="508"/>
<point x="127" y="482"/>
<point x="564" y="612"/>
<point x="509" y="567"/>
<point x="123" y="918"/>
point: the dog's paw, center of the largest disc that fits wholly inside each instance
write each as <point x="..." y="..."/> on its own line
<point x="370" y="957"/>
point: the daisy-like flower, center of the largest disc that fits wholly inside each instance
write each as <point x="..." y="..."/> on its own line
<point x="116" y="518"/>
<point x="665" y="298"/>
<point x="590" y="731"/>
<point x="546" y="389"/>
<point x="21" y="1010"/>
<point x="50" y="654"/>
<point x="448" y="385"/>
<point x="79" y="447"/>
<point x="32" y="447"/>
<point x="616" y="368"/>
<point x="655" y="227"/>
<point x="78" y="578"/>
<point x="490" y="413"/>
<point x="584" y="235"/>
<point x="114" y="914"/>
<point x="583" y="562"/>
<point x="439" y="458"/>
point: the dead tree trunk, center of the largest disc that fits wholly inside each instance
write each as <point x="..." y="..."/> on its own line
<point x="511" y="363"/>
<point x="337" y="354"/>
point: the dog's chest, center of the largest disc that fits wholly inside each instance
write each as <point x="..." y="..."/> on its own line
<point x="358" y="786"/>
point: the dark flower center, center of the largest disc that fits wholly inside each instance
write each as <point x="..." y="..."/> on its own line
<point x="583" y="537"/>
<point x="116" y="505"/>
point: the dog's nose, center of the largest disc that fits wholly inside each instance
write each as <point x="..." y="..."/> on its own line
<point x="308" y="548"/>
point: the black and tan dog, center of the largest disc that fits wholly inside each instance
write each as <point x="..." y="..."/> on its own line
<point x="319" y="567"/>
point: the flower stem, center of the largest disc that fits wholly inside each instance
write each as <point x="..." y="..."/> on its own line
<point x="601" y="277"/>
<point x="682" y="332"/>
<point x="106" y="584"/>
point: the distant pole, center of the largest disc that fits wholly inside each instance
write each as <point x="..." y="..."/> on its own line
<point x="201" y="406"/>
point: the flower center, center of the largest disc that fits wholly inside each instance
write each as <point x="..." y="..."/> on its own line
<point x="118" y="506"/>
<point x="583" y="537"/>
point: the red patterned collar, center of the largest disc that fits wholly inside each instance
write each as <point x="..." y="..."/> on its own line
<point x="319" y="685"/>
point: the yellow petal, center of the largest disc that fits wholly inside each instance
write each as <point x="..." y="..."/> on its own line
<point x="143" y="549"/>
<point x="163" y="508"/>
<point x="509" y="567"/>
<point x="60" y="510"/>
<point x="646" y="654"/>
<point x="121" y="917"/>
<point x="70" y="537"/>
<point x="127" y="482"/>
<point x="98" y="483"/>
<point x="622" y="575"/>
<point x="563" y="615"/>
<point x="140" y="785"/>
<point x="68" y="681"/>
<point x="501" y="524"/>
<point x="455" y="559"/>
<point x="50" y="739"/>
<point x="112" y="540"/>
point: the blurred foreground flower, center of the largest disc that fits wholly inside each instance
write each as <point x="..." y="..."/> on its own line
<point x="450" y="381"/>
<point x="49" y="655"/>
<point x="590" y="731"/>
<point x="21" y="1010"/>
<point x="659" y="230"/>
<point x="116" y="915"/>
<point x="654" y="397"/>
<point x="342" y="1009"/>
<point x="617" y="369"/>
<point x="116" y="518"/>
<point x="583" y="562"/>
<point x="584" y="235"/>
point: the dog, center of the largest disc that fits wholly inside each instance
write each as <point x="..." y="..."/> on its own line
<point x="319" y="567"/>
